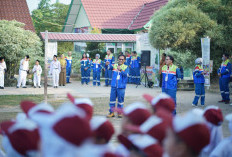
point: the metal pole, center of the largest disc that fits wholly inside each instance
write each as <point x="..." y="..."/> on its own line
<point x="45" y="68"/>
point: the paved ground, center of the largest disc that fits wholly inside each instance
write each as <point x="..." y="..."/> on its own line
<point x="100" y="97"/>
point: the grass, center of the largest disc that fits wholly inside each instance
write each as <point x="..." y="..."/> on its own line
<point x="12" y="100"/>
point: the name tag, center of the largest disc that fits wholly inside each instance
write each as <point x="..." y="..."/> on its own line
<point x="118" y="77"/>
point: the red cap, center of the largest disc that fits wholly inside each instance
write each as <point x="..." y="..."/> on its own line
<point x="213" y="114"/>
<point x="190" y="128"/>
<point x="101" y="127"/>
<point x="23" y="136"/>
<point x="161" y="101"/>
<point x="136" y="113"/>
<point x="84" y="103"/>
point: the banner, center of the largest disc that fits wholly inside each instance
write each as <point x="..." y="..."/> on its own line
<point x="205" y="47"/>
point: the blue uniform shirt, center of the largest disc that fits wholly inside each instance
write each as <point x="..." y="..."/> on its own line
<point x="119" y="78"/>
<point x="225" y="69"/>
<point x="135" y="62"/>
<point x="197" y="74"/>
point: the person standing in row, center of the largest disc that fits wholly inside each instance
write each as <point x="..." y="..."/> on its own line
<point x="118" y="86"/>
<point x="68" y="66"/>
<point x="135" y="66"/>
<point x="199" y="81"/>
<point x="24" y="68"/>
<point x="224" y="78"/>
<point x="127" y="63"/>
<point x="2" y="72"/>
<point x="89" y="69"/>
<point x="37" y="70"/>
<point x="62" y="76"/>
<point x="162" y="63"/>
<point x="55" y="69"/>
<point x="96" y="66"/>
<point x="85" y="65"/>
<point x="170" y="74"/>
<point x="109" y="60"/>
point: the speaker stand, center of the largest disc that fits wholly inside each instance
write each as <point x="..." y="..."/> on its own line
<point x="145" y="77"/>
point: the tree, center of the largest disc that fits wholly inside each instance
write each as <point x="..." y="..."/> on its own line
<point x="180" y="24"/>
<point x="180" y="28"/>
<point x="49" y="17"/>
<point x="15" y="43"/>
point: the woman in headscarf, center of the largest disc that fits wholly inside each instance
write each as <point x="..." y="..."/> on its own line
<point x="62" y="78"/>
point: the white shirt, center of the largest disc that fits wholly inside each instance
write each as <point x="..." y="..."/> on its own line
<point x="55" y="65"/>
<point x="37" y="70"/>
<point x="224" y="148"/>
<point x="24" y="65"/>
<point x="2" y="66"/>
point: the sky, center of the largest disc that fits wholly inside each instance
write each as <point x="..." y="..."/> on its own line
<point x="33" y="4"/>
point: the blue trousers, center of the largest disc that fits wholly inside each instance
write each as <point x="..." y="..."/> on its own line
<point x="224" y="88"/>
<point x="172" y="94"/>
<point x="129" y="77"/>
<point x="68" y="73"/>
<point x="135" y="75"/>
<point x="200" y="92"/>
<point x="88" y="75"/>
<point x="108" y="77"/>
<point x="116" y="93"/>
<point x="84" y="76"/>
<point x="96" y="78"/>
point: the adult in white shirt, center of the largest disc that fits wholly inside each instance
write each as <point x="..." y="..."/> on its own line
<point x="2" y="72"/>
<point x="55" y="71"/>
<point x="37" y="70"/>
<point x="24" y="67"/>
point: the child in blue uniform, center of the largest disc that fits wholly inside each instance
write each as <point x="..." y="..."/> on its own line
<point x="109" y="60"/>
<point x="96" y="66"/>
<point x="199" y="81"/>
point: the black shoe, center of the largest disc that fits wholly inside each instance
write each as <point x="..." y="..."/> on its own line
<point x="68" y="82"/>
<point x="24" y="87"/>
<point x="17" y="86"/>
<point x="34" y="86"/>
<point x="227" y="101"/>
<point x="105" y="85"/>
<point x="1" y="87"/>
<point x="56" y="86"/>
<point x="39" y="86"/>
<point x="221" y="101"/>
<point x="63" y="85"/>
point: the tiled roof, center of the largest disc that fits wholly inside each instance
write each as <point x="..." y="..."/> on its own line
<point x="16" y="10"/>
<point x="145" y="13"/>
<point x="82" y="37"/>
<point x="112" y="14"/>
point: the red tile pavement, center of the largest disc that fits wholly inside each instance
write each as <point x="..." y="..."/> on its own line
<point x="90" y="37"/>
<point x="112" y="14"/>
<point x="146" y="13"/>
<point x="16" y="10"/>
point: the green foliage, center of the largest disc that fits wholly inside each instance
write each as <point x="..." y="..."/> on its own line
<point x="16" y="42"/>
<point x="64" y="47"/>
<point x="186" y="60"/>
<point x="49" y="17"/>
<point x="180" y="24"/>
<point x="180" y="28"/>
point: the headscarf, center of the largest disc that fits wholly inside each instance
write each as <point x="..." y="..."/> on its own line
<point x="62" y="61"/>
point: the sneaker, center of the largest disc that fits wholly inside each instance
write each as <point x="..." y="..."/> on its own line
<point x="39" y="86"/>
<point x="105" y="85"/>
<point x="110" y="115"/>
<point x="34" y="86"/>
<point x="17" y="86"/>
<point x="24" y="87"/>
<point x="227" y="101"/>
<point x="194" y="105"/>
<point x="203" y="105"/>
<point x="56" y="86"/>
<point x="119" y="115"/>
<point x="221" y="101"/>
